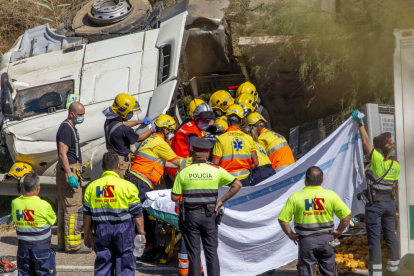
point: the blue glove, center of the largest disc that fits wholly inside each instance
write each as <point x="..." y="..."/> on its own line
<point x="73" y="182"/>
<point x="355" y="116"/>
<point x="154" y="128"/>
<point x="146" y="121"/>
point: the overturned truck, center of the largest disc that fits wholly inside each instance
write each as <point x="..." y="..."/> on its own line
<point x="103" y="48"/>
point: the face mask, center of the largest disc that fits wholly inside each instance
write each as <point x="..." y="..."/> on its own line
<point x="170" y="136"/>
<point x="202" y="125"/>
<point x="78" y="120"/>
<point x="128" y="117"/>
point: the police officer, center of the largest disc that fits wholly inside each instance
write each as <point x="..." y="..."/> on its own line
<point x="220" y="102"/>
<point x="119" y="135"/>
<point x="275" y="144"/>
<point x="67" y="180"/>
<point x="199" y="185"/>
<point x="235" y="151"/>
<point x="381" y="177"/>
<point x="113" y="205"/>
<point x="33" y="218"/>
<point x="313" y="209"/>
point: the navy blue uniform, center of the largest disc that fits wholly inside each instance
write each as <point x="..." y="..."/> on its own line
<point x="66" y="134"/>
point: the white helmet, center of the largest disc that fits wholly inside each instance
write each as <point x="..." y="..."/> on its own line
<point x="202" y="108"/>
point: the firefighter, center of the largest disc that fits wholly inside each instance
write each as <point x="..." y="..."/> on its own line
<point x="199" y="184"/>
<point x="68" y="171"/>
<point x="212" y="132"/>
<point x="275" y="145"/>
<point x="33" y="218"/>
<point x="235" y="151"/>
<point x="381" y="177"/>
<point x="249" y="88"/>
<point x="119" y="135"/>
<point x="220" y="101"/>
<point x="114" y="207"/>
<point x="191" y="107"/>
<point x="248" y="103"/>
<point x="313" y="208"/>
<point x="264" y="170"/>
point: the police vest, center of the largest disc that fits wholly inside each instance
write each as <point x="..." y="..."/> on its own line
<point x="313" y="209"/>
<point x="234" y="148"/>
<point x="33" y="218"/>
<point x="199" y="182"/>
<point x="261" y="155"/>
<point x="379" y="168"/>
<point x="111" y="199"/>
<point x="277" y="148"/>
<point x="185" y="162"/>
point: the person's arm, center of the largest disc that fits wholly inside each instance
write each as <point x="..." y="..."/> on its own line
<point x="132" y="123"/>
<point x="145" y="135"/>
<point x="173" y="164"/>
<point x="216" y="161"/>
<point x="255" y="160"/>
<point x="365" y="139"/>
<point x="87" y="221"/>
<point x="139" y="222"/>
<point x="177" y="189"/>
<point x="288" y="231"/>
<point x="63" y="158"/>
<point x="342" y="226"/>
<point x="50" y="215"/>
<point x="175" y="197"/>
<point x="234" y="188"/>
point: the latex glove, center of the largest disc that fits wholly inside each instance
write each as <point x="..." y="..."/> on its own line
<point x="146" y="121"/>
<point x="358" y="116"/>
<point x="73" y="182"/>
<point x="154" y="128"/>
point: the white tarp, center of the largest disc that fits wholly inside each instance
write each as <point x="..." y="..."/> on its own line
<point x="250" y="239"/>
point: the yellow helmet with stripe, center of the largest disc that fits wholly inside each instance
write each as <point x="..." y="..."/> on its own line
<point x="254" y="118"/>
<point x="125" y="103"/>
<point x="20" y="169"/>
<point x="221" y="100"/>
<point x="221" y="124"/>
<point x="165" y="120"/>
<point x="247" y="88"/>
<point x="193" y="104"/>
<point x="235" y="109"/>
<point x="247" y="102"/>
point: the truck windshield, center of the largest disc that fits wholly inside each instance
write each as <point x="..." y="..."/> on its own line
<point x="26" y="101"/>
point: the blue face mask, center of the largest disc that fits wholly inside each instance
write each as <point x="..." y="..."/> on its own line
<point x="78" y="120"/>
<point x="128" y="117"/>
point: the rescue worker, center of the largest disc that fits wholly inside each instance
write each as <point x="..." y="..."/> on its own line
<point x="191" y="107"/>
<point x="119" y="135"/>
<point x="264" y="170"/>
<point x="212" y="132"/>
<point x="235" y="151"/>
<point x="68" y="170"/>
<point x="276" y="146"/>
<point x="381" y="177"/>
<point x="148" y="166"/>
<point x="313" y="208"/>
<point x="33" y="218"/>
<point x="199" y="185"/>
<point x="249" y="88"/>
<point x="114" y="207"/>
<point x="220" y="102"/>
<point x="247" y="102"/>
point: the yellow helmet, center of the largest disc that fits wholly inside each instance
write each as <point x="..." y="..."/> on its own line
<point x="247" y="88"/>
<point x="221" y="124"/>
<point x="193" y="104"/>
<point x="125" y="103"/>
<point x="247" y="102"/>
<point x="235" y="109"/>
<point x="221" y="100"/>
<point x="165" y="120"/>
<point x="254" y="118"/>
<point x="20" y="169"/>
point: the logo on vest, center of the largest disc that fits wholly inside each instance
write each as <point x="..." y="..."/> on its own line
<point x="25" y="217"/>
<point x="107" y="192"/>
<point x="237" y="144"/>
<point x="262" y="151"/>
<point x="315" y="205"/>
<point x="200" y="176"/>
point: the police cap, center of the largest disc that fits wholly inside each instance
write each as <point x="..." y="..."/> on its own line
<point x="201" y="145"/>
<point x="382" y="139"/>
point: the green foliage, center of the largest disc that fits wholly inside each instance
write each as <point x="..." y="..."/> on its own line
<point x="351" y="45"/>
<point x="50" y="6"/>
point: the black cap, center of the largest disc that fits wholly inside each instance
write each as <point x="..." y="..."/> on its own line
<point x="201" y="144"/>
<point x="382" y="139"/>
<point x="207" y="115"/>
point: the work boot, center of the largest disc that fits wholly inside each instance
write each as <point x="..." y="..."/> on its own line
<point x="82" y="250"/>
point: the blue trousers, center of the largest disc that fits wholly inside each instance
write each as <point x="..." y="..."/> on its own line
<point x="114" y="244"/>
<point x="382" y="215"/>
<point x="261" y="174"/>
<point x="36" y="262"/>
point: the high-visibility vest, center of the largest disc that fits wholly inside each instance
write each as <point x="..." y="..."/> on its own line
<point x="179" y="143"/>
<point x="234" y="149"/>
<point x="313" y="208"/>
<point x="111" y="199"/>
<point x="277" y="148"/>
<point x="150" y="159"/>
<point x="261" y="155"/>
<point x="33" y="218"/>
<point x="379" y="166"/>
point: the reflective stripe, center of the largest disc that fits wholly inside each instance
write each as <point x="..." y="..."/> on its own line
<point x="315" y="225"/>
<point x="392" y="268"/>
<point x="33" y="230"/>
<point x="104" y="209"/>
<point x="200" y="191"/>
<point x="275" y="148"/>
<point x="393" y="263"/>
<point x="112" y="218"/>
<point x="132" y="206"/>
<point x="307" y="233"/>
<point x="72" y="224"/>
<point x="183" y="163"/>
<point x="375" y="266"/>
<point x="236" y="156"/>
<point x="239" y="173"/>
<point x="35" y="238"/>
<point x="137" y="174"/>
<point x="278" y="169"/>
<point x="375" y="273"/>
<point x="200" y="199"/>
<point x="184" y="265"/>
<point x="182" y="256"/>
<point x="152" y="158"/>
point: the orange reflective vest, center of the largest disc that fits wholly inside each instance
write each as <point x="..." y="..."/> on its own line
<point x="277" y="149"/>
<point x="234" y="149"/>
<point x="151" y="157"/>
<point x="179" y="142"/>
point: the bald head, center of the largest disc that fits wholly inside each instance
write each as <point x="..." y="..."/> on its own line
<point x="76" y="110"/>
<point x="314" y="176"/>
<point x="75" y="106"/>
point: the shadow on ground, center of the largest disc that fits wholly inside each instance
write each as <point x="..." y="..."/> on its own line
<point x="9" y="240"/>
